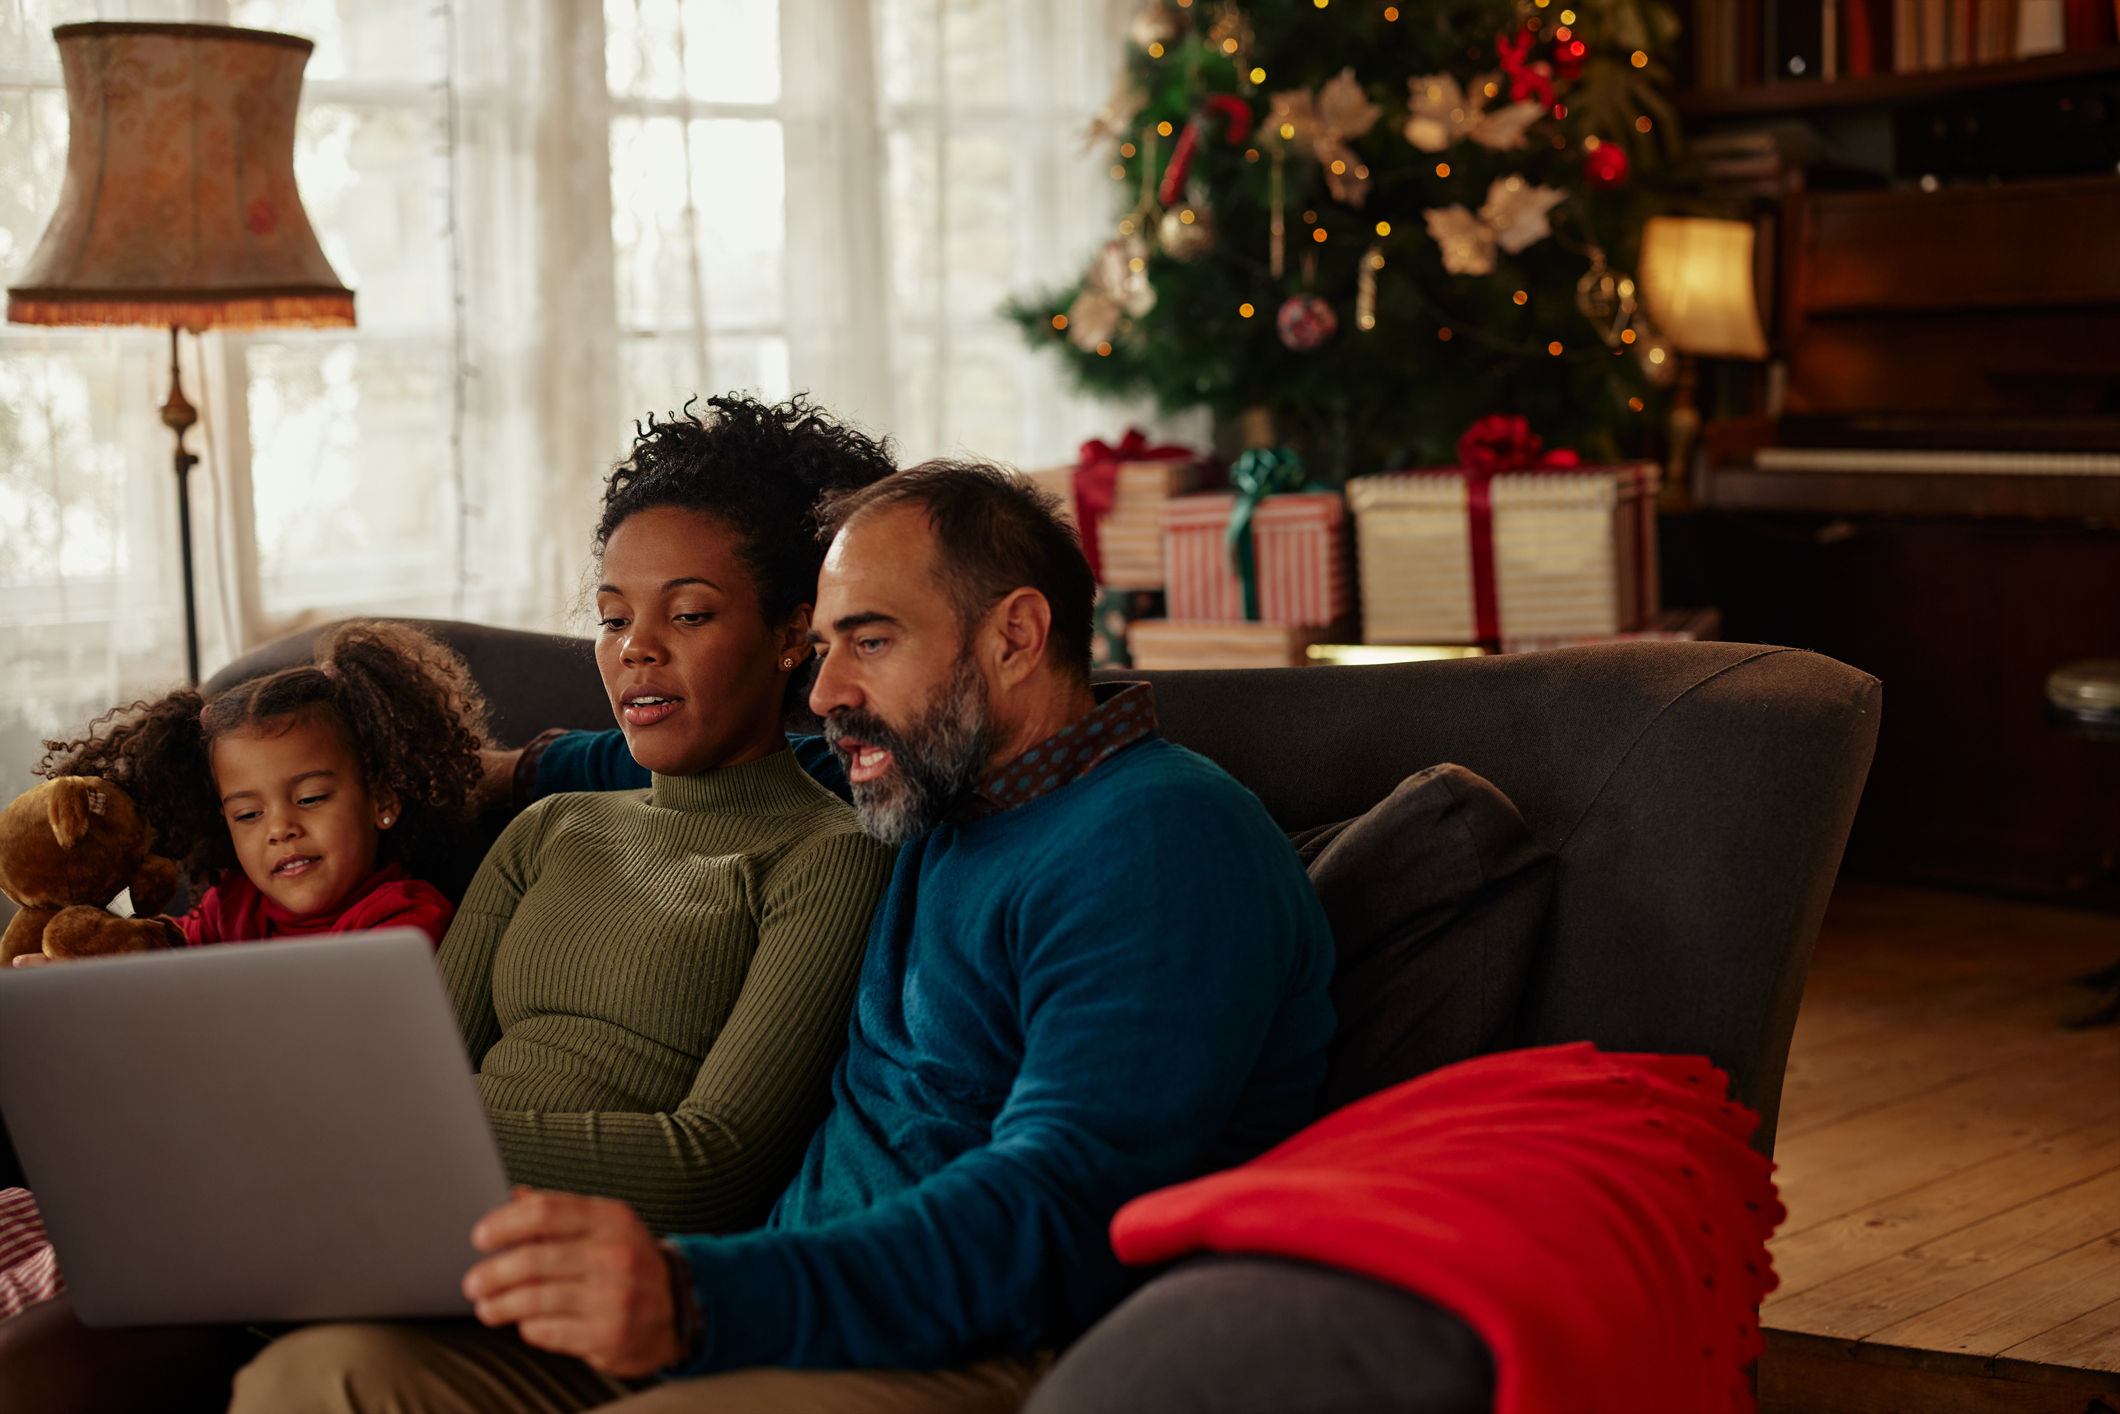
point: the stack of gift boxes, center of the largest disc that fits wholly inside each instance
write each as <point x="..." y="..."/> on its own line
<point x="1536" y="557"/>
<point x="1125" y="543"/>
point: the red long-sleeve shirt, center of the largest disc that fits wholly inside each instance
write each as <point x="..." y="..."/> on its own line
<point x="234" y="911"/>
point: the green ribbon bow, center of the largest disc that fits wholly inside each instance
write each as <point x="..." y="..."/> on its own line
<point x="1260" y="472"/>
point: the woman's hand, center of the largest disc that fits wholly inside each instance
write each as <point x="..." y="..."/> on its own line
<point x="580" y="1276"/>
<point x="33" y="959"/>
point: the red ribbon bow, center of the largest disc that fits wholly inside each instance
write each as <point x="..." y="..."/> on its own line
<point x="1495" y="444"/>
<point x="1097" y="483"/>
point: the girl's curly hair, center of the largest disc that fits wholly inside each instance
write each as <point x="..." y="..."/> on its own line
<point x="403" y="703"/>
<point x="761" y="469"/>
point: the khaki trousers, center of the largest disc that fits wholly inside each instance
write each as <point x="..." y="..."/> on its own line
<point x="456" y="1367"/>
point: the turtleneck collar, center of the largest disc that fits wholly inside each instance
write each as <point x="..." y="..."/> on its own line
<point x="772" y="785"/>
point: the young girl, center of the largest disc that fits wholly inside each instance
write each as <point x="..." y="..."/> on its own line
<point x="307" y="792"/>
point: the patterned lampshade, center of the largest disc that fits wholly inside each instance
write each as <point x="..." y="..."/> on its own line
<point x="179" y="207"/>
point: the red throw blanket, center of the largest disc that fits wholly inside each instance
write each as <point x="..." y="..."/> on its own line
<point x="1597" y="1218"/>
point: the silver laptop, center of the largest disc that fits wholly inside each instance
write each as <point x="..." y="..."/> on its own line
<point x="283" y="1131"/>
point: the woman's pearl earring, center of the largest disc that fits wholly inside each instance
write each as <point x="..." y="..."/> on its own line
<point x="388" y="821"/>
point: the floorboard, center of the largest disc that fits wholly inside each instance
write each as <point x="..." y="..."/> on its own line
<point x="1950" y="1156"/>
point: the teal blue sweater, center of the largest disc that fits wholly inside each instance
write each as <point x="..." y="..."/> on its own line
<point x="1116" y="986"/>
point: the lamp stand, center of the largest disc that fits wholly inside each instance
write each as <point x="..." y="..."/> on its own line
<point x="178" y="415"/>
<point x="1685" y="428"/>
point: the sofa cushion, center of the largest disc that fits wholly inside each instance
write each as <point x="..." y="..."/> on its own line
<point x="1437" y="898"/>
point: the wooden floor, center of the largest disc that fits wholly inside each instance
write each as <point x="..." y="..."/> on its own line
<point x="1950" y="1158"/>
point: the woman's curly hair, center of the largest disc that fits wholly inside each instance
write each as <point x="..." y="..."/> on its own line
<point x="403" y="703"/>
<point x="761" y="469"/>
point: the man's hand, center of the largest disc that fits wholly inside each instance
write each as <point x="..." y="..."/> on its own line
<point x="580" y="1276"/>
<point x="496" y="781"/>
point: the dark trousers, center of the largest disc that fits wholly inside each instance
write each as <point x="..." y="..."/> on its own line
<point x="1261" y="1335"/>
<point x="52" y="1364"/>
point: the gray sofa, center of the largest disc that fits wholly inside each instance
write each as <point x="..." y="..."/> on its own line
<point x="1697" y="795"/>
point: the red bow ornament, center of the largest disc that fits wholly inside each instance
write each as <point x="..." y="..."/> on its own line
<point x="1097" y="483"/>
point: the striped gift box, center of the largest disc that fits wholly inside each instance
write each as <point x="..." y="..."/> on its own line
<point x="1299" y="548"/>
<point x="1130" y="536"/>
<point x="1172" y="643"/>
<point x="1574" y="553"/>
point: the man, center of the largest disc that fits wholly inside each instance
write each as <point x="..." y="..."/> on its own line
<point x="1099" y="969"/>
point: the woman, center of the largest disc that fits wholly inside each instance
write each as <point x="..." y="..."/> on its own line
<point x="654" y="984"/>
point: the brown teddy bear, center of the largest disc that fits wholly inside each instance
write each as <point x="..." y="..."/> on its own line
<point x="66" y="848"/>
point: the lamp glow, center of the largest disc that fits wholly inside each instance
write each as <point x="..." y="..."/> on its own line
<point x="1696" y="281"/>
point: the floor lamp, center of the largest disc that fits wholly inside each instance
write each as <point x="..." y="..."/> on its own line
<point x="179" y="207"/>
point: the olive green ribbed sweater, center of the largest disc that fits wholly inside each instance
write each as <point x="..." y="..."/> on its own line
<point x="654" y="986"/>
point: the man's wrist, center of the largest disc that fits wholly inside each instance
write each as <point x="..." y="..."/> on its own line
<point x="523" y="786"/>
<point x="688" y="1320"/>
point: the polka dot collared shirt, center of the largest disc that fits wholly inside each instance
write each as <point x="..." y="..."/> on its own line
<point x="1125" y="713"/>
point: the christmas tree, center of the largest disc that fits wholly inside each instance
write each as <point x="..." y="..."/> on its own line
<point x="1381" y="221"/>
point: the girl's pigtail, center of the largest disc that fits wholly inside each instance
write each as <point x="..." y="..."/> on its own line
<point x="157" y="753"/>
<point x="416" y="721"/>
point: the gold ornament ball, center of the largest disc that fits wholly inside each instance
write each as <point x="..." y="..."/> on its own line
<point x="1187" y="232"/>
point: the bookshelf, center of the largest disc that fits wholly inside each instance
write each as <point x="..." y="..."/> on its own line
<point x="1798" y="95"/>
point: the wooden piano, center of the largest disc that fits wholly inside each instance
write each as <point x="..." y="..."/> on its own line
<point x="1938" y="502"/>
<point x="1977" y="321"/>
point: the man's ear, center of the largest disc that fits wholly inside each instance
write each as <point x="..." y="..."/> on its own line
<point x="1020" y="625"/>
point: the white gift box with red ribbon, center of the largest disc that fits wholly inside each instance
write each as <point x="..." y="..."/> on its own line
<point x="1449" y="556"/>
<point x="1299" y="550"/>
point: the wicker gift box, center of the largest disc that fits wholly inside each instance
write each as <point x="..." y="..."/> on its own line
<point x="1129" y="539"/>
<point x="1181" y="643"/>
<point x="1299" y="551"/>
<point x="1554" y="552"/>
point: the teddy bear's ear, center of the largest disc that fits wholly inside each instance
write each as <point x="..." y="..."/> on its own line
<point x="74" y="802"/>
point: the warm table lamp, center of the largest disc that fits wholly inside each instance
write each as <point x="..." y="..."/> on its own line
<point x="179" y="206"/>
<point x="1696" y="284"/>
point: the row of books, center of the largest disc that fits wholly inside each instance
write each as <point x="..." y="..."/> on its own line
<point x="1742" y="42"/>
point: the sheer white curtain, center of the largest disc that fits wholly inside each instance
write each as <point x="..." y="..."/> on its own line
<point x="557" y="218"/>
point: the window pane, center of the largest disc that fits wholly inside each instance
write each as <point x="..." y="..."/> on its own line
<point x="349" y="473"/>
<point x="62" y="473"/>
<point x="388" y="40"/>
<point x="369" y="178"/>
<point x="716" y="51"/>
<point x="738" y="222"/>
<point x="953" y="53"/>
<point x="88" y="607"/>
<point x="660" y="374"/>
<point x="978" y="232"/>
<point x="32" y="165"/>
<point x="907" y="34"/>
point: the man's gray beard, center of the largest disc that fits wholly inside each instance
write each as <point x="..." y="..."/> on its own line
<point x="934" y="763"/>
